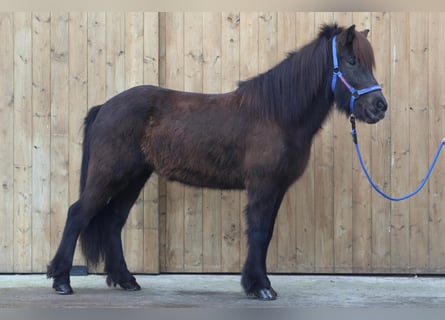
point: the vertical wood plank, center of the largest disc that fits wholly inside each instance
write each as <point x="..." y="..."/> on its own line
<point x="7" y="146"/>
<point x="211" y="206"/>
<point x="151" y="190"/>
<point x="418" y="137"/>
<point x="342" y="181"/>
<point x="134" y="54"/>
<point x="96" y="58"/>
<point x="41" y="139"/>
<point x="78" y="104"/>
<point x="162" y="181"/>
<point x="115" y="54"/>
<point x="361" y="190"/>
<point x="193" y="65"/>
<point x="285" y="230"/>
<point x="59" y="124"/>
<point x="436" y="133"/>
<point x="230" y="200"/>
<point x="267" y="58"/>
<point x="248" y="67"/>
<point x="324" y="206"/>
<point x="400" y="175"/>
<point x="381" y="161"/>
<point x="304" y="189"/>
<point x="22" y="142"/>
<point x="110" y="51"/>
<point x="77" y="96"/>
<point x="96" y="65"/>
<point x="175" y="192"/>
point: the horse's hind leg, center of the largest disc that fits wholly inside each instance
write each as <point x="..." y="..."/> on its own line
<point x="79" y="214"/>
<point x="262" y="208"/>
<point x="115" y="265"/>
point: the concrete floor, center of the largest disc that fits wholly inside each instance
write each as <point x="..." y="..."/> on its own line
<point x="224" y="291"/>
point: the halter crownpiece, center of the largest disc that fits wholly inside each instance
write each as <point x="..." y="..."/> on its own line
<point x="355" y="94"/>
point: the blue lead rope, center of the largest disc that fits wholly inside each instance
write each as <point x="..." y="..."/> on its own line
<point x="355" y="94"/>
<point x="376" y="188"/>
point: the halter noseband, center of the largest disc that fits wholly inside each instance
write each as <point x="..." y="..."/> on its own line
<point x="355" y="94"/>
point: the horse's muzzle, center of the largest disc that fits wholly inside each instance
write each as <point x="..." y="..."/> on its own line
<point x="376" y="112"/>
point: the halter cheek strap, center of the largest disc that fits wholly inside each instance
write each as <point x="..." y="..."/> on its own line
<point x="355" y="94"/>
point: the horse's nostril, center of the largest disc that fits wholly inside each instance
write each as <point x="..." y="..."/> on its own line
<point x="381" y="105"/>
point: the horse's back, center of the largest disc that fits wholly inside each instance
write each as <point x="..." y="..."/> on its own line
<point x="204" y="140"/>
<point x="188" y="137"/>
<point x="197" y="139"/>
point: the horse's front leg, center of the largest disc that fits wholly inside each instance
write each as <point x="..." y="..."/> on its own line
<point x="262" y="208"/>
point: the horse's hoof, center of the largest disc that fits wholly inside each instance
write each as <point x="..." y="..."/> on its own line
<point x="63" y="289"/>
<point x="130" y="286"/>
<point x="264" y="294"/>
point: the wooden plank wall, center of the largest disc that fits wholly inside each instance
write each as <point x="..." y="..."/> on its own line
<point x="331" y="220"/>
<point x="55" y="66"/>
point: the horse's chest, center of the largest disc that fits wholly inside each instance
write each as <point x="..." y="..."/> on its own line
<point x="277" y="158"/>
<point x="297" y="160"/>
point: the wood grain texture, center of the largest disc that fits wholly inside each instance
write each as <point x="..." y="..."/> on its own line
<point x="211" y="199"/>
<point x="174" y="261"/>
<point x="418" y="137"/>
<point x="41" y="140"/>
<point x="151" y="189"/>
<point x="400" y="146"/>
<point x="436" y="133"/>
<point x="343" y="181"/>
<point x="304" y="189"/>
<point x="57" y="65"/>
<point x="78" y="104"/>
<point x="324" y="177"/>
<point x="59" y="125"/>
<point x="133" y="233"/>
<point x="285" y="223"/>
<point x="22" y="170"/>
<point x="248" y="67"/>
<point x="7" y="143"/>
<point x="193" y="201"/>
<point x="375" y="256"/>
<point x="231" y="210"/>
<point x="361" y="190"/>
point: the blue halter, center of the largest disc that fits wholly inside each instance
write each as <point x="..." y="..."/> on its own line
<point x="355" y="94"/>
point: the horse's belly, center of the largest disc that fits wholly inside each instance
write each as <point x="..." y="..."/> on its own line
<point x="209" y="166"/>
<point x="199" y="179"/>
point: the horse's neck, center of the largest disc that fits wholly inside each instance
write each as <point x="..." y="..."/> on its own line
<point x="315" y="115"/>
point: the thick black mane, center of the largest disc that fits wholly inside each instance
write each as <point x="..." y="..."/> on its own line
<point x="284" y="92"/>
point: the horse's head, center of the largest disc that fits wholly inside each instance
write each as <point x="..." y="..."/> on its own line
<point x="355" y="89"/>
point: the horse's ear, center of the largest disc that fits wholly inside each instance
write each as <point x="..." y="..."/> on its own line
<point x="347" y="36"/>
<point x="365" y="32"/>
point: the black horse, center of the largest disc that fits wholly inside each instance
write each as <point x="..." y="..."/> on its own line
<point x="256" y="138"/>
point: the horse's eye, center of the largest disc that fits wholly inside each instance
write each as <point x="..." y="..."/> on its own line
<point x="351" y="60"/>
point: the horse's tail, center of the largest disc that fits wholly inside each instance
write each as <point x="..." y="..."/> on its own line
<point x="89" y="119"/>
<point x="92" y="237"/>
